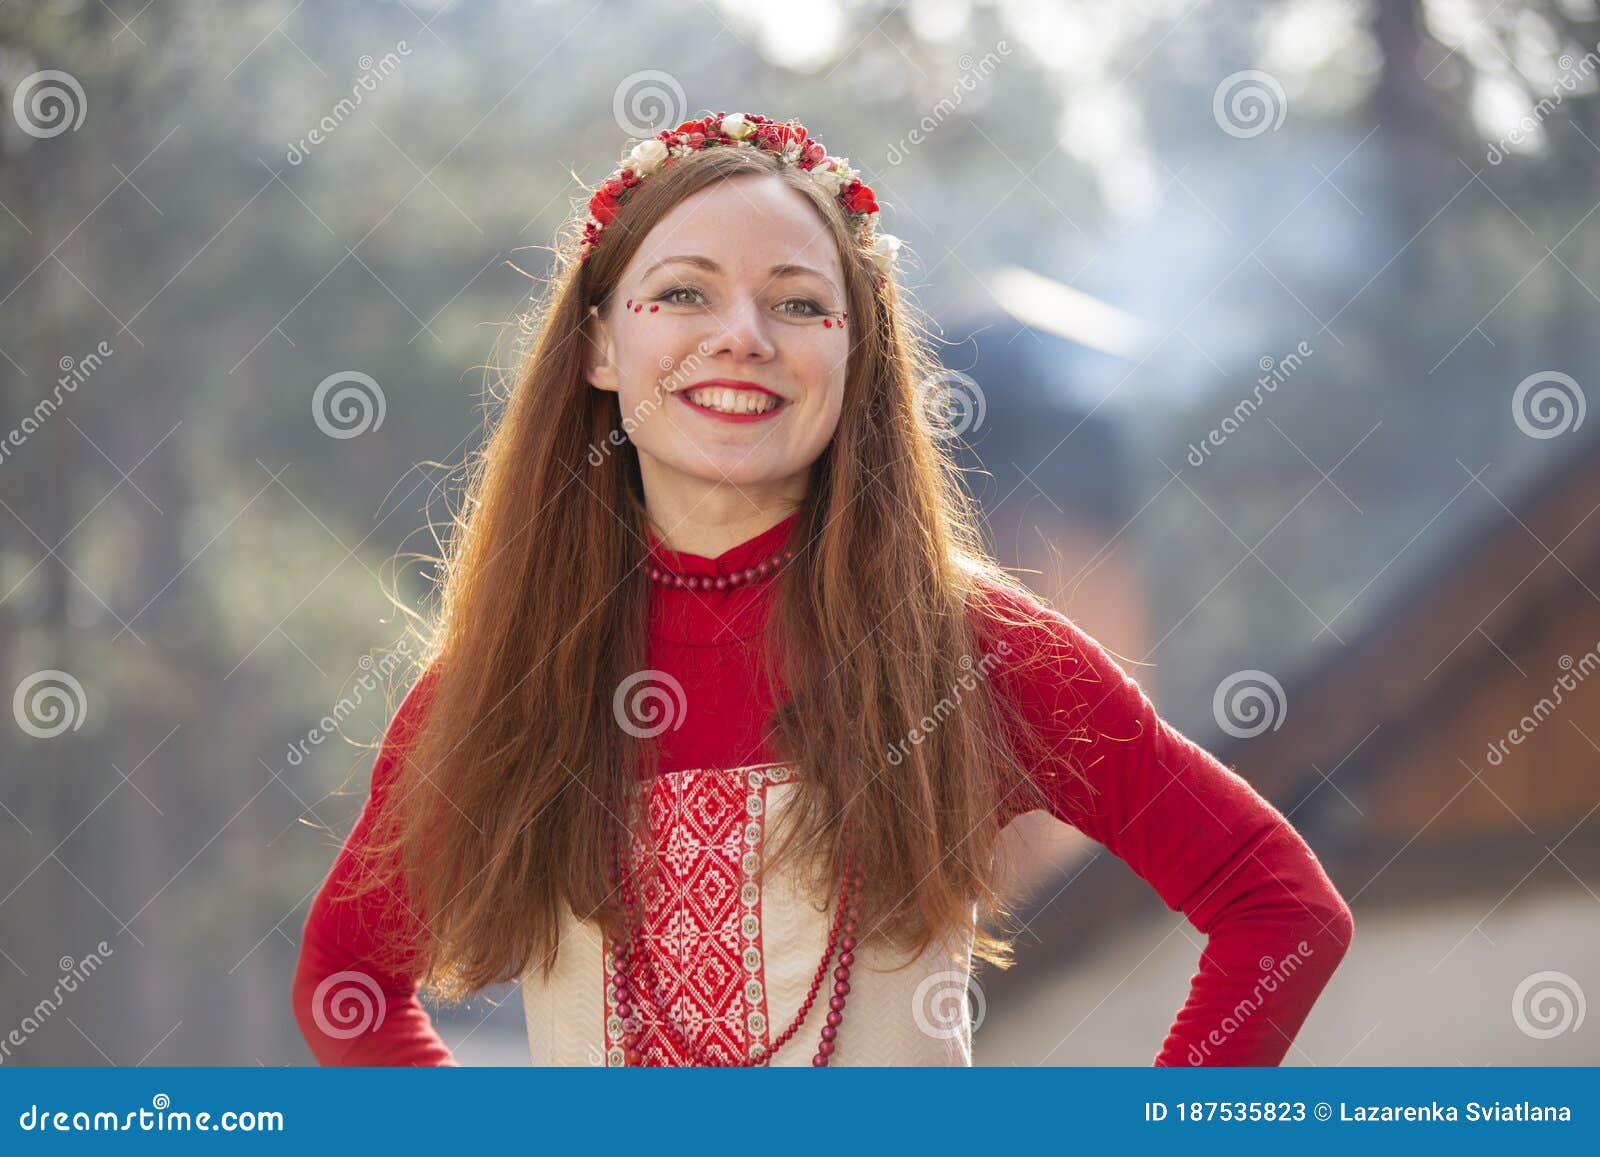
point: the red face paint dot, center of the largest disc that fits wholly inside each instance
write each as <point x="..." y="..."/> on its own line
<point x="827" y="323"/>
<point x="653" y="308"/>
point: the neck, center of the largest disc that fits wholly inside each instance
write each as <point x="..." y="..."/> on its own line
<point x="710" y="539"/>
<point x="708" y="524"/>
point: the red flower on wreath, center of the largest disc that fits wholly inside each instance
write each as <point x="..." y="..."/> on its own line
<point x="858" y="198"/>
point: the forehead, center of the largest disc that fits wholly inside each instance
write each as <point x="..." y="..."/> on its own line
<point x="746" y="225"/>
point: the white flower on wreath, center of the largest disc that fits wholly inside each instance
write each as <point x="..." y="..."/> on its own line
<point x="735" y="126"/>
<point x="885" y="247"/>
<point x="646" y="157"/>
<point x="828" y="178"/>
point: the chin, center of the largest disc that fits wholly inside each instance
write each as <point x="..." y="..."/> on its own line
<point x="729" y="465"/>
<point x="748" y="475"/>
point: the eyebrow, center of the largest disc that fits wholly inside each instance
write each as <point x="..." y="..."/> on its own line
<point x="785" y="269"/>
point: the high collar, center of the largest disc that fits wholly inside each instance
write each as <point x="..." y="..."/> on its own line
<point x="714" y="618"/>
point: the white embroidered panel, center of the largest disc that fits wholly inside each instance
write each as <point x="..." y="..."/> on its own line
<point x="736" y="958"/>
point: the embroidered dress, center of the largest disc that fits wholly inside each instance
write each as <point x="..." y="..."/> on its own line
<point x="735" y="957"/>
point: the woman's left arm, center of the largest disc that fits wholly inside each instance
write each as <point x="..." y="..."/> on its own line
<point x="1198" y="833"/>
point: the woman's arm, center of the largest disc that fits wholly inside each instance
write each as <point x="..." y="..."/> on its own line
<point x="1199" y="834"/>
<point x="350" y="1011"/>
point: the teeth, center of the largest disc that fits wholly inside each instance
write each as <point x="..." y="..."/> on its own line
<point x="733" y="401"/>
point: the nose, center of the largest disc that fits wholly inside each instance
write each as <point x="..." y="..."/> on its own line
<point x="741" y="333"/>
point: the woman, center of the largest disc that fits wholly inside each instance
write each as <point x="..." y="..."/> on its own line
<point x="726" y="706"/>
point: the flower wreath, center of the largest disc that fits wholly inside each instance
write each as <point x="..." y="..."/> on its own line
<point x="745" y="130"/>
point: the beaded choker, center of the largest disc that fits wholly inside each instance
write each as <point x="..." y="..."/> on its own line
<point x="722" y="582"/>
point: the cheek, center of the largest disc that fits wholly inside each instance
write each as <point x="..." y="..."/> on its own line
<point x="824" y="364"/>
<point x="651" y="351"/>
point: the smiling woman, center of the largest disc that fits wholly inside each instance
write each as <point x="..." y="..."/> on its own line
<point x="669" y="763"/>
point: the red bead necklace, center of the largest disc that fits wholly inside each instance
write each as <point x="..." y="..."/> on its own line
<point x="722" y="582"/>
<point x="631" y="968"/>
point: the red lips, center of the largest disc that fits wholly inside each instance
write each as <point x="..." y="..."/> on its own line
<point x="732" y="384"/>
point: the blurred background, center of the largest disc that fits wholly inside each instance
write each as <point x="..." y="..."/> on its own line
<point x="1269" y="326"/>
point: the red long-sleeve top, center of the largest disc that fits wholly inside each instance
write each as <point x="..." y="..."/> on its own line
<point x="1199" y="834"/>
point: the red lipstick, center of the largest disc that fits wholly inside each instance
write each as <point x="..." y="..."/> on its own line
<point x="732" y="384"/>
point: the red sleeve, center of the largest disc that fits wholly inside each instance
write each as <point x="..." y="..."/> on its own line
<point x="1195" y="831"/>
<point x="350" y="1011"/>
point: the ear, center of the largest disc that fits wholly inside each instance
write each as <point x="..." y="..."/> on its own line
<point x="599" y="359"/>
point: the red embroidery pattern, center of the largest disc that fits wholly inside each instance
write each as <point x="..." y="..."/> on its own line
<point x="696" y="881"/>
